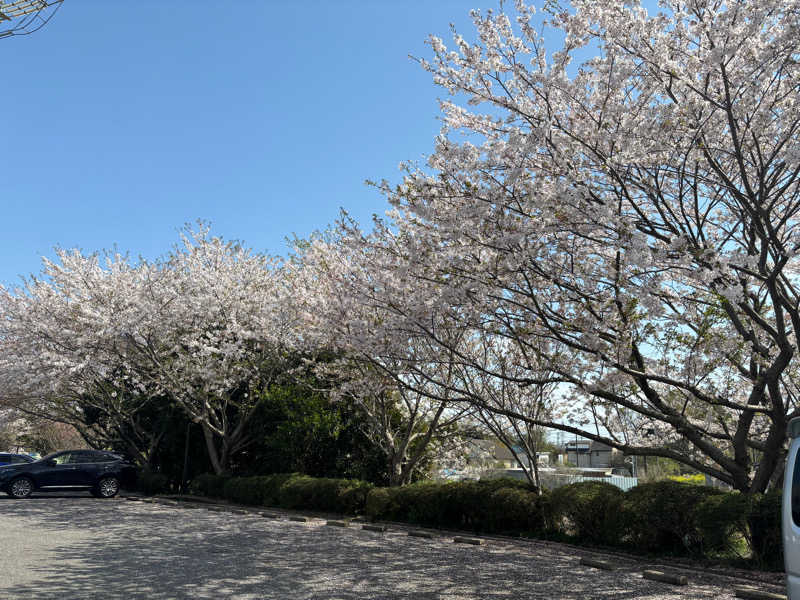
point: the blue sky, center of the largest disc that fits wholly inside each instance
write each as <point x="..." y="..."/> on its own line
<point x="125" y="120"/>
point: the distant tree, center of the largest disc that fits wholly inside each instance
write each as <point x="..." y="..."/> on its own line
<point x="45" y="436"/>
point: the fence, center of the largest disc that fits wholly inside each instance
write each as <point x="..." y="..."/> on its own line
<point x="554" y="480"/>
<point x="551" y="480"/>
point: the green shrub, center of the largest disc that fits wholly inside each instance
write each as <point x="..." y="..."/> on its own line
<point x="591" y="511"/>
<point x="497" y="506"/>
<point x="764" y="524"/>
<point x="243" y="490"/>
<point x="377" y="503"/>
<point x="269" y="487"/>
<point x="152" y="483"/>
<point x="662" y="517"/>
<point x="429" y="504"/>
<point x="353" y="499"/>
<point x="720" y="519"/>
<point x="208" y="484"/>
<point x="336" y="495"/>
<point x="516" y="511"/>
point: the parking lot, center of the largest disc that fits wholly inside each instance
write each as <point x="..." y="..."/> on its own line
<point x="74" y="546"/>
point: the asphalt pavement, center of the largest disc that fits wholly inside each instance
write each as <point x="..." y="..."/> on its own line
<point x="75" y="546"/>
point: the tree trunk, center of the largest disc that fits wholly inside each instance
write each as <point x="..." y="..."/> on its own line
<point x="213" y="455"/>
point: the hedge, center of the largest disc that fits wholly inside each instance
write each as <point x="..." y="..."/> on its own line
<point x="590" y="511"/>
<point x="665" y="517"/>
<point x="208" y="484"/>
<point x="493" y="506"/>
<point x="764" y="530"/>
<point x="286" y="490"/>
<point x="152" y="483"/>
<point x="662" y="517"/>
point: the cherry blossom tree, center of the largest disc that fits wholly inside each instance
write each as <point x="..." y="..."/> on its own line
<point x="512" y="391"/>
<point x="212" y="334"/>
<point x="638" y="209"/>
<point x="59" y="336"/>
<point x="204" y="329"/>
<point x="377" y="365"/>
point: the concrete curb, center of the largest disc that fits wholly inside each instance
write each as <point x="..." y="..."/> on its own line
<point x="421" y="534"/>
<point x="597" y="564"/>
<point x="666" y="577"/>
<point x="299" y="519"/>
<point x="754" y="594"/>
<point x="337" y="524"/>
<point x="378" y="528"/>
<point x="467" y="540"/>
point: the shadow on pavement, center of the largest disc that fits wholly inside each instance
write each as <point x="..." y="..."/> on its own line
<point x="150" y="551"/>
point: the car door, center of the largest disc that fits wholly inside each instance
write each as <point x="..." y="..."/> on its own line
<point x="91" y="464"/>
<point x="58" y="471"/>
<point x="81" y="461"/>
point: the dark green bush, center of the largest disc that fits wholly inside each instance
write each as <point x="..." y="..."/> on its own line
<point x="430" y="504"/>
<point x="764" y="524"/>
<point x="152" y="483"/>
<point x="661" y="516"/>
<point x="516" y="511"/>
<point x="590" y="511"/>
<point x="391" y="503"/>
<point x="208" y="484"/>
<point x="269" y="487"/>
<point x="336" y="495"/>
<point x="378" y="502"/>
<point x="353" y="499"/>
<point x="243" y="490"/>
<point x="720" y="519"/>
<point x="288" y="490"/>
<point x="498" y="506"/>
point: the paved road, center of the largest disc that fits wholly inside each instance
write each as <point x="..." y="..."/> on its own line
<point x="72" y="546"/>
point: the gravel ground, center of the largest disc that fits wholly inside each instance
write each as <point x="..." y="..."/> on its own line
<point x="70" y="546"/>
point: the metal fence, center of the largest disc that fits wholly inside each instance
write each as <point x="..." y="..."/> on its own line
<point x="553" y="480"/>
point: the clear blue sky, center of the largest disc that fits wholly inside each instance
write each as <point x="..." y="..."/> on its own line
<point x="125" y="120"/>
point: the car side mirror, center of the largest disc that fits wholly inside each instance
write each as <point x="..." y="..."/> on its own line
<point x="51" y="463"/>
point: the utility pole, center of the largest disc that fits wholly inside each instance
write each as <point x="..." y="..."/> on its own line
<point x="23" y="17"/>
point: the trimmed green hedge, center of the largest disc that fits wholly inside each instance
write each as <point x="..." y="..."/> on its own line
<point x="590" y="511"/>
<point x="152" y="483"/>
<point x="493" y="506"/>
<point x="720" y="519"/>
<point x="665" y="517"/>
<point x="209" y="485"/>
<point x="764" y="530"/>
<point x="287" y="490"/>
<point x="662" y="516"/>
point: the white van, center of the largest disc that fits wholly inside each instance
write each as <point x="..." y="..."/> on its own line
<point x="790" y="512"/>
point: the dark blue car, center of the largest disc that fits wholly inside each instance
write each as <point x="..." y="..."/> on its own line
<point x="7" y="458"/>
<point x="98" y="472"/>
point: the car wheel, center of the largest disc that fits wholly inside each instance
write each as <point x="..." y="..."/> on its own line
<point x="20" y="488"/>
<point x="107" y="487"/>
